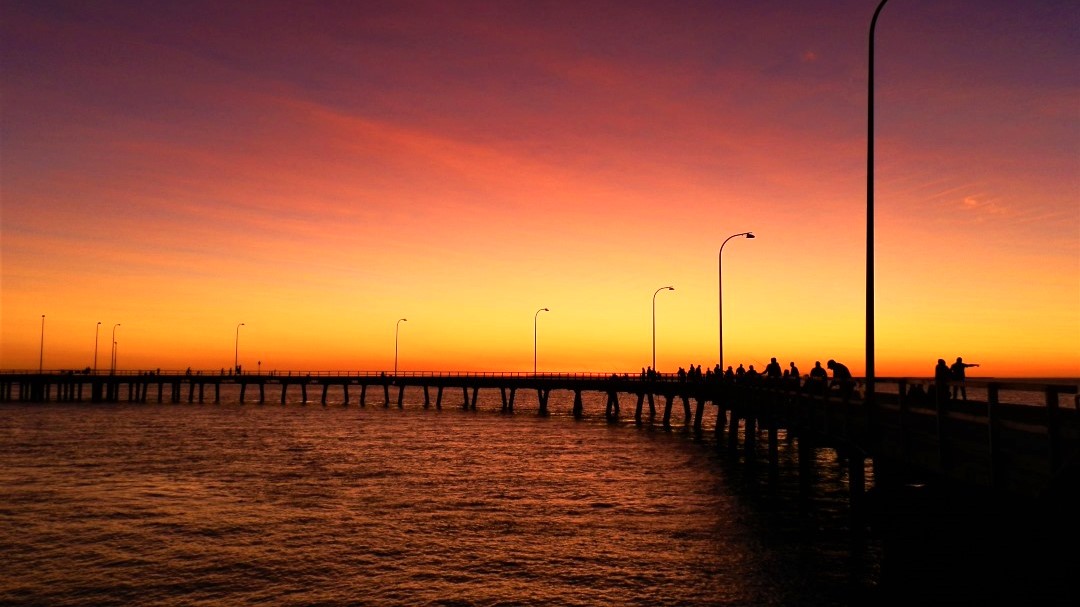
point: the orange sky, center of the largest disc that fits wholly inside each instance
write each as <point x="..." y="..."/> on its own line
<point x="319" y="171"/>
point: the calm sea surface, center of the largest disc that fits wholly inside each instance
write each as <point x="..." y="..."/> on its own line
<point x="245" y="504"/>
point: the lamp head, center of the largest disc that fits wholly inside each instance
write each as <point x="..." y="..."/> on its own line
<point x="546" y="310"/>
<point x="750" y="235"/>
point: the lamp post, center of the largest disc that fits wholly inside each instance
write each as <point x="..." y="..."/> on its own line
<point x="720" y="289"/>
<point x="97" y="329"/>
<point x="654" y="323"/>
<point x="397" y="326"/>
<point x="236" y="350"/>
<point x="870" y="213"/>
<point x="112" y="358"/>
<point x="535" y="316"/>
<point x="41" y="352"/>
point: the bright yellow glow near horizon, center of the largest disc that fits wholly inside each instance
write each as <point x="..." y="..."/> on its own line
<point x="207" y="176"/>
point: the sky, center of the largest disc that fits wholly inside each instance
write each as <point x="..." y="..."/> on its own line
<point x="318" y="171"/>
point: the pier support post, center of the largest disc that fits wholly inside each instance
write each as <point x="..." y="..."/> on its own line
<point x="401" y="396"/>
<point x="262" y="392"/>
<point x="612" y="412"/>
<point x="475" y="394"/>
<point x="345" y="390"/>
<point x="284" y="388"/>
<point x="427" y="397"/>
<point x="363" y="395"/>
<point x="750" y="437"/>
<point x="438" y="398"/>
<point x="637" y="410"/>
<point x="667" y="410"/>
<point x="699" y="413"/>
<point x="856" y="479"/>
<point x="386" y="395"/>
<point x="542" y="396"/>
<point x="325" y="388"/>
<point x="579" y="408"/>
<point x="733" y="431"/>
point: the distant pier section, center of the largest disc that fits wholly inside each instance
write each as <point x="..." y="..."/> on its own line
<point x="1019" y="438"/>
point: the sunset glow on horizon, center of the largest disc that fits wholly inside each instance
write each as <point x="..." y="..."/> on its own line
<point x="318" y="171"/>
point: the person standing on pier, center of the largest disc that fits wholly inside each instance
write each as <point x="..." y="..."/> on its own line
<point x="772" y="370"/>
<point x="942" y="377"/>
<point x="958" y="377"/>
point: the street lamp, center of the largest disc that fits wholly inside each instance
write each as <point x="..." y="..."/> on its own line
<point x="720" y="289"/>
<point x="654" y="324"/>
<point x="97" y="329"/>
<point x="236" y="350"/>
<point x="534" y="335"/>
<point x="112" y="358"/>
<point x="397" y="326"/>
<point x="41" y="353"/>
<point x="870" y="213"/>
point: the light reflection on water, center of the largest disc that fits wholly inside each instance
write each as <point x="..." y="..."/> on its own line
<point x="299" y="505"/>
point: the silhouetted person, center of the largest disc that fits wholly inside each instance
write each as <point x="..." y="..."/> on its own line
<point x="818" y="373"/>
<point x="942" y="377"/>
<point x="957" y="370"/>
<point x="841" y="377"/>
<point x="752" y="376"/>
<point x="740" y="373"/>
<point x="794" y="370"/>
<point x="729" y="375"/>
<point x="772" y="370"/>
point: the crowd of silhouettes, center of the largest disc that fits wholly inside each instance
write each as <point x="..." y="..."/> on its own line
<point x="948" y="379"/>
<point x="773" y="373"/>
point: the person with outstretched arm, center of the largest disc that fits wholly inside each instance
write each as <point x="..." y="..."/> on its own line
<point x="957" y="370"/>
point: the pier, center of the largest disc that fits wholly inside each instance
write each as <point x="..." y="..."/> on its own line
<point x="1020" y="439"/>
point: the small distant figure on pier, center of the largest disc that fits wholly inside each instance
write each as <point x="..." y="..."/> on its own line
<point x="794" y="370"/>
<point x="958" y="376"/>
<point x="841" y="377"/>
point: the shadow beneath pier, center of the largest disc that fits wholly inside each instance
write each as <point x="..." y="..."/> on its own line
<point x="945" y="546"/>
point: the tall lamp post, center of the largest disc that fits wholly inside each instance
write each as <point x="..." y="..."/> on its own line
<point x="112" y="358"/>
<point x="720" y="289"/>
<point x="870" y="213"/>
<point x="397" y="326"/>
<point x="41" y="352"/>
<point x="654" y="323"/>
<point x="535" y="316"/>
<point x="97" y="329"/>
<point x="236" y="350"/>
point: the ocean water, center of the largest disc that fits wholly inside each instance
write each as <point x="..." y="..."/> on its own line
<point x="245" y="504"/>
